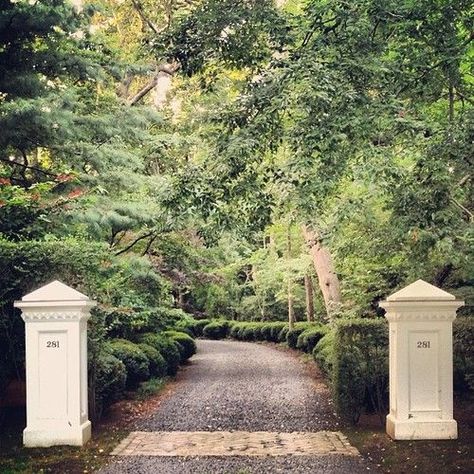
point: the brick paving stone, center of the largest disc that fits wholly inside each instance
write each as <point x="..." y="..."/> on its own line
<point x="234" y="443"/>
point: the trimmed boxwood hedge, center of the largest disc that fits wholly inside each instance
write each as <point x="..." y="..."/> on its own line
<point x="463" y="353"/>
<point x="134" y="359"/>
<point x="166" y="347"/>
<point x="308" y="339"/>
<point x="157" y="363"/>
<point x="293" y="334"/>
<point x="198" y="326"/>
<point x="186" y="344"/>
<point x="107" y="378"/>
<point x="216" y="330"/>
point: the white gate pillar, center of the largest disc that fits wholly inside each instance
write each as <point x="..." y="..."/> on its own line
<point x="421" y="362"/>
<point x="56" y="366"/>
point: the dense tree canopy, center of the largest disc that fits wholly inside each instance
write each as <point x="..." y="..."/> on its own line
<point x="249" y="159"/>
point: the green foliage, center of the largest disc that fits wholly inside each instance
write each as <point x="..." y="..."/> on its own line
<point x="293" y="334"/>
<point x="216" y="330"/>
<point x="270" y="331"/>
<point x="198" y="327"/>
<point x="150" y="387"/>
<point x="166" y="347"/>
<point x="360" y="370"/>
<point x="308" y="339"/>
<point x="157" y="363"/>
<point x="186" y="344"/>
<point x="134" y="359"/>
<point x="324" y="353"/>
<point x="238" y="34"/>
<point x="463" y="353"/>
<point x="125" y="322"/>
<point x="107" y="379"/>
<point x="283" y="333"/>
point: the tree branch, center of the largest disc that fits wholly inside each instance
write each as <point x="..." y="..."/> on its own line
<point x="24" y="166"/>
<point x="139" y="9"/>
<point x="169" y="69"/>
<point x="467" y="211"/>
<point x="132" y="244"/>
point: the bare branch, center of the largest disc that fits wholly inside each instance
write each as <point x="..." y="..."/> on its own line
<point x="24" y="166"/>
<point x="166" y="68"/>
<point x="133" y="243"/>
<point x="139" y="9"/>
<point x="467" y="211"/>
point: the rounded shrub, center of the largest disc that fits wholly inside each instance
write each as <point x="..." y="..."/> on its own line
<point x="235" y="330"/>
<point x="216" y="330"/>
<point x="323" y="353"/>
<point x="157" y="363"/>
<point x="283" y="333"/>
<point x="135" y="361"/>
<point x="308" y="339"/>
<point x="275" y="331"/>
<point x="248" y="332"/>
<point x="166" y="347"/>
<point x="257" y="332"/>
<point x="186" y="344"/>
<point x="293" y="334"/>
<point x="199" y="325"/>
<point x="266" y="331"/>
<point x="463" y="353"/>
<point x="107" y="379"/>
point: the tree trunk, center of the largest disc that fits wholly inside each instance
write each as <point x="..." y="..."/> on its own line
<point x="291" y="312"/>
<point x="308" y="286"/>
<point x="325" y="271"/>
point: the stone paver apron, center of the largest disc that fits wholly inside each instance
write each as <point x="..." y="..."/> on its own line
<point x="233" y="443"/>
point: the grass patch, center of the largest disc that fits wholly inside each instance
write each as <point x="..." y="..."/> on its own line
<point x="149" y="388"/>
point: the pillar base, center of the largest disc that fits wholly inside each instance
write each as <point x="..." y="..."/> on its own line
<point x="408" y="430"/>
<point x="74" y="436"/>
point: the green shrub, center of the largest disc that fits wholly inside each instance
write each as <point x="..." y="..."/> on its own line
<point x="216" y="330"/>
<point x="135" y="361"/>
<point x="360" y="367"/>
<point x="308" y="339"/>
<point x="354" y="355"/>
<point x="198" y="326"/>
<point x="235" y="330"/>
<point x="166" y="347"/>
<point x="293" y="334"/>
<point x="247" y="333"/>
<point x="257" y="332"/>
<point x="275" y="329"/>
<point x="157" y="363"/>
<point x="283" y="333"/>
<point x="265" y="331"/>
<point x="463" y="353"/>
<point x="107" y="379"/>
<point x="323" y="353"/>
<point x="186" y="344"/>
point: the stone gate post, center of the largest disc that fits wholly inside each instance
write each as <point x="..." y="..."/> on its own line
<point x="56" y="366"/>
<point x="421" y="362"/>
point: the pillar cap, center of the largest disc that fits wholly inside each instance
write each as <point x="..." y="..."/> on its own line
<point x="53" y="295"/>
<point x="420" y="290"/>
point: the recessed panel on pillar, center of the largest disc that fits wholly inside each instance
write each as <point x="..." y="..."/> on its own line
<point x="424" y="372"/>
<point x="52" y="376"/>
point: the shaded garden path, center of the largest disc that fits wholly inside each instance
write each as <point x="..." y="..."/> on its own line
<point x="234" y="386"/>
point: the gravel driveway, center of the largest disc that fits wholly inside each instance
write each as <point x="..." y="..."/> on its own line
<point x="246" y="387"/>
